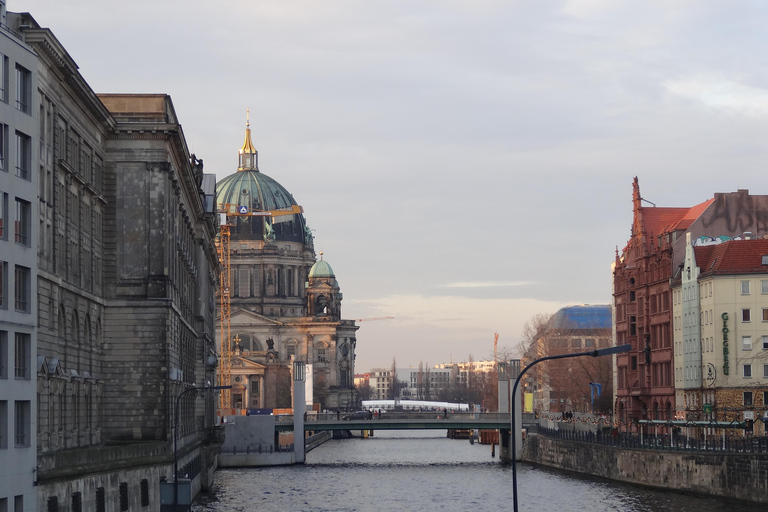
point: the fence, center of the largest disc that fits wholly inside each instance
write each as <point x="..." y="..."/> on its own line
<point x="677" y="442"/>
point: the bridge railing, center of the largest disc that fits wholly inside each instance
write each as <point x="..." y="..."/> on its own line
<point x="468" y="417"/>
<point x="660" y="442"/>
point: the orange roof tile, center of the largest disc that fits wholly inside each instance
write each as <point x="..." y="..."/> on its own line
<point x="733" y="257"/>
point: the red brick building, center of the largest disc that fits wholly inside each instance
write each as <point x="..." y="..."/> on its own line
<point x="645" y="381"/>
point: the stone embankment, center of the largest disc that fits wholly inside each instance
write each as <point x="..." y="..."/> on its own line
<point x="742" y="476"/>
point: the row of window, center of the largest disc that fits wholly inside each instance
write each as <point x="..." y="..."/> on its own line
<point x="747" y="371"/>
<point x="746" y="287"/>
<point x="749" y="398"/>
<point x="707" y="318"/>
<point x="22" y="289"/>
<point x="21" y="424"/>
<point x="52" y="505"/>
<point x="694" y="372"/>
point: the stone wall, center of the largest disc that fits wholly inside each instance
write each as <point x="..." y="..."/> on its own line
<point x="739" y="476"/>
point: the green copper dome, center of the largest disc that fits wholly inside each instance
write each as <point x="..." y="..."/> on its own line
<point x="254" y="189"/>
<point x="321" y="269"/>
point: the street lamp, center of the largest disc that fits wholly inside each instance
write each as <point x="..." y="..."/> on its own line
<point x="513" y="410"/>
<point x="176" y="435"/>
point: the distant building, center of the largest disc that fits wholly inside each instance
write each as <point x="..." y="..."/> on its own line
<point x="720" y="309"/>
<point x="642" y="295"/>
<point x="422" y="383"/>
<point x="381" y="382"/>
<point x="284" y="304"/>
<point x="571" y="384"/>
<point x="123" y="232"/>
<point x="19" y="143"/>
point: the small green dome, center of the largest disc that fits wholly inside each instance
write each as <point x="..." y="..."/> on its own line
<point x="321" y="269"/>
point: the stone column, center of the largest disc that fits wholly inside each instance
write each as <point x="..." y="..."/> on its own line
<point x="299" y="377"/>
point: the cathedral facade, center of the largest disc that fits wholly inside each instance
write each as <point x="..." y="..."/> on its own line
<point x="284" y="305"/>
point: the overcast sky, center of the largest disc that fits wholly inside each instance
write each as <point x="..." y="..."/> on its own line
<point x="464" y="164"/>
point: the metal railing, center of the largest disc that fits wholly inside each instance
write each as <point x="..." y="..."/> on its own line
<point x="468" y="417"/>
<point x="676" y="442"/>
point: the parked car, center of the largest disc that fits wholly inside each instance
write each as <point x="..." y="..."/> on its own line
<point x="357" y="415"/>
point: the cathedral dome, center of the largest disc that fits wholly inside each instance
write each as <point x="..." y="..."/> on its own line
<point x="321" y="269"/>
<point x="251" y="188"/>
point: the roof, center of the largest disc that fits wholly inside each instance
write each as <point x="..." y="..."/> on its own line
<point x="581" y="317"/>
<point x="733" y="257"/>
<point x="321" y="269"/>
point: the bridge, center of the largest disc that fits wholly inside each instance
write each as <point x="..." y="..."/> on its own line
<point x="397" y="421"/>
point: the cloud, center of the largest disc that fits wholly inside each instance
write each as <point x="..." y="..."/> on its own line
<point x="721" y="94"/>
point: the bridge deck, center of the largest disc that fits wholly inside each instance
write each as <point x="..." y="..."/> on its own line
<point x="398" y="421"/>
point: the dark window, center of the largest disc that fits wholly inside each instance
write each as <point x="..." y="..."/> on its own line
<point x="633" y="326"/>
<point x="23" y="89"/>
<point x="23" y="155"/>
<point x="101" y="502"/>
<point x="23" y="222"/>
<point x="22" y="355"/>
<point x="77" y="502"/>
<point x="3" y="146"/>
<point x="633" y="363"/>
<point x="22" y="288"/>
<point x="145" y="493"/>
<point x="632" y="296"/>
<point x="124" y="496"/>
<point x="53" y="504"/>
<point x="748" y="398"/>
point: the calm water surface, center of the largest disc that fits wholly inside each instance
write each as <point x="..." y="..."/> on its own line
<point x="422" y="470"/>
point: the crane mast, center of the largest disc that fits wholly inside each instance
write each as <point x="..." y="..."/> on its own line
<point x="225" y="363"/>
<point x="227" y="210"/>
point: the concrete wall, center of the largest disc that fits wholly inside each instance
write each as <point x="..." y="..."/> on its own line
<point x="740" y="476"/>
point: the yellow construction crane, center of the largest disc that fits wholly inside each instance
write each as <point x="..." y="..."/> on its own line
<point x="374" y="318"/>
<point x="227" y="210"/>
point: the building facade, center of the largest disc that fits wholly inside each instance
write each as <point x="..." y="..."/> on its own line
<point x="655" y="253"/>
<point x="570" y="385"/>
<point x="126" y="277"/>
<point x="284" y="305"/>
<point x="720" y="308"/>
<point x="18" y="271"/>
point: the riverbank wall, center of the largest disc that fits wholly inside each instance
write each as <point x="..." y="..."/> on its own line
<point x="742" y="476"/>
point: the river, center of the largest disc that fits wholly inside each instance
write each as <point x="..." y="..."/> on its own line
<point x="423" y="470"/>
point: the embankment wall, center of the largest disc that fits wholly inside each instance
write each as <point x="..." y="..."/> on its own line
<point x="731" y="475"/>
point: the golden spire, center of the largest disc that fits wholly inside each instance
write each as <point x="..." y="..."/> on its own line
<point x="249" y="157"/>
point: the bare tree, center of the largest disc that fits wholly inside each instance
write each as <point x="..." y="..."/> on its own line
<point x="533" y="330"/>
<point x="393" y="391"/>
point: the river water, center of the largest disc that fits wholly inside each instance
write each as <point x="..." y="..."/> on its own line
<point x="423" y="470"/>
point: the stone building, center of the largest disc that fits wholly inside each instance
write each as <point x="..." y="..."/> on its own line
<point x="655" y="253"/>
<point x="127" y="270"/>
<point x="720" y="307"/>
<point x="284" y="304"/>
<point x="18" y="272"/>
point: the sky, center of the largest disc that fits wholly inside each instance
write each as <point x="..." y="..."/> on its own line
<point x="464" y="165"/>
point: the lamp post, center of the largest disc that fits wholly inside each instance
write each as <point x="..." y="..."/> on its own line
<point x="513" y="409"/>
<point x="176" y="435"/>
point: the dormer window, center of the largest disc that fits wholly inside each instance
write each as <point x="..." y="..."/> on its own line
<point x="765" y="259"/>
